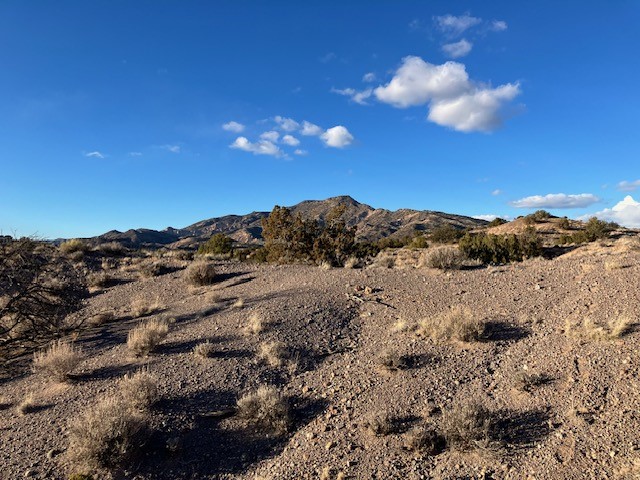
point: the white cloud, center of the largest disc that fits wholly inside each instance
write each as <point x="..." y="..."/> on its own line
<point x="497" y="191"/>
<point x="234" y="127"/>
<point x="369" y="77"/>
<point x="290" y="140"/>
<point x="309" y="129"/>
<point x="488" y="217"/>
<point x="95" y="154"/>
<point x="135" y="154"/>
<point x="625" y="212"/>
<point x="359" y="97"/>
<point x="172" y="148"/>
<point x="457" y="49"/>
<point x="556" y="200"/>
<point x="271" y="136"/>
<point x="455" y="26"/>
<point x="300" y="152"/>
<point x="327" y="57"/>
<point x="263" y="147"/>
<point x="626" y="186"/>
<point x="499" y="25"/>
<point x="337" y="137"/>
<point x="454" y="100"/>
<point x="286" y="124"/>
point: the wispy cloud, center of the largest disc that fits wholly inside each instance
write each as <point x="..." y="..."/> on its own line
<point x="369" y="77"/>
<point x="135" y="154"/>
<point x="234" y="127"/>
<point x="626" y="213"/>
<point x="326" y="58"/>
<point x="262" y="147"/>
<point x="356" y="96"/>
<point x="626" y="186"/>
<point x="270" y="136"/>
<point x="498" y="25"/>
<point x="453" y="99"/>
<point x="286" y="124"/>
<point x="455" y="26"/>
<point x="337" y="137"/>
<point x="489" y="216"/>
<point x="300" y="152"/>
<point x="309" y="129"/>
<point x="556" y="200"/>
<point x="172" y="148"/>
<point x="457" y="49"/>
<point x="290" y="140"/>
<point x="95" y="154"/>
<point x="496" y="192"/>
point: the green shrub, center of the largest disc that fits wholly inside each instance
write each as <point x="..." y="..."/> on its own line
<point x="564" y="223"/>
<point x="594" y="230"/>
<point x="497" y="222"/>
<point x="218" y="244"/>
<point x="489" y="248"/>
<point x="446" y="234"/>
<point x="419" y="241"/>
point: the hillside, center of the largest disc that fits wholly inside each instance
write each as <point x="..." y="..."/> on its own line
<point x="372" y="224"/>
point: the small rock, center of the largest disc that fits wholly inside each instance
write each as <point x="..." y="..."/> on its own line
<point x="330" y="445"/>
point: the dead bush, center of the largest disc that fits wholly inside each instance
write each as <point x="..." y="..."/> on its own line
<point x="144" y="338"/>
<point x="152" y="269"/>
<point x="27" y="405"/>
<point x="456" y="324"/>
<point x="255" y="325"/>
<point x="443" y="258"/>
<point x="391" y="361"/>
<point x="201" y="273"/>
<point x="204" y="350"/>
<point x="100" y="280"/>
<point x="74" y="245"/>
<point x="139" y="390"/>
<point x="526" y="381"/>
<point x="266" y="408"/>
<point x="107" y="434"/>
<point x="425" y="440"/>
<point x="380" y="423"/>
<point x="467" y="425"/>
<point x="615" y="328"/>
<point x="101" y="318"/>
<point x="111" y="248"/>
<point x="58" y="360"/>
<point x="141" y="307"/>
<point x="273" y="354"/>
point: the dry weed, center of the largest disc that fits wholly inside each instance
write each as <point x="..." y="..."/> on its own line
<point x="141" y="307"/>
<point x="616" y="328"/>
<point x="239" y="303"/>
<point x="27" y="404"/>
<point x="58" y="360"/>
<point x="456" y="324"/>
<point x="266" y="408"/>
<point x="99" y="280"/>
<point x="139" y="390"/>
<point x="351" y="262"/>
<point x="425" y="440"/>
<point x="273" y="354"/>
<point x="380" y="423"/>
<point x="144" y="338"/>
<point x="255" y="325"/>
<point x="101" y="318"/>
<point x="204" y="349"/>
<point x="74" y="245"/>
<point x="391" y="361"/>
<point x="467" y="425"/>
<point x="443" y="258"/>
<point x="201" y="273"/>
<point x="326" y="265"/>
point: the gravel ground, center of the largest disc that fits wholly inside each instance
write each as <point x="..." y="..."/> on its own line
<point x="580" y="420"/>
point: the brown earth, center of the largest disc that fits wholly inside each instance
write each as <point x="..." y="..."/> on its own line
<point x="580" y="421"/>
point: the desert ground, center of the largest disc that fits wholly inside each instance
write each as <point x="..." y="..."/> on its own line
<point x="552" y="376"/>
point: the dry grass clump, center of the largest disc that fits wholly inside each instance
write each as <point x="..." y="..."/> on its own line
<point x="273" y="354"/>
<point x="5" y="402"/>
<point x="456" y="324"/>
<point x="27" y="404"/>
<point x="58" y="360"/>
<point x="138" y="390"/>
<point x="380" y="423"/>
<point x="325" y="265"/>
<point x="144" y="338"/>
<point x="425" y="440"/>
<point x="141" y="307"/>
<point x="239" y="303"/>
<point x="74" y="245"/>
<point x="152" y="269"/>
<point x="201" y="273"/>
<point x="443" y="258"/>
<point x="111" y="248"/>
<point x="612" y="330"/>
<point x="204" y="349"/>
<point x="391" y="361"/>
<point x="102" y="318"/>
<point x="351" y="262"/>
<point x="526" y="381"/>
<point x="107" y="434"/>
<point x="266" y="408"/>
<point x="100" y="280"/>
<point x="466" y="425"/>
<point x="255" y="325"/>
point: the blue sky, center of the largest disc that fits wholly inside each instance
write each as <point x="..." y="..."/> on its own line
<point x="118" y="114"/>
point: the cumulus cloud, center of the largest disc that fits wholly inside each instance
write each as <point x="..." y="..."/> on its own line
<point x="234" y="127"/>
<point x="300" y="152"/>
<point x="626" y="186"/>
<point x="286" y="124"/>
<point x="454" y="100"/>
<point x="456" y="25"/>
<point x="556" y="200"/>
<point x="309" y="129"/>
<point x="95" y="154"/>
<point x="457" y="49"/>
<point x="369" y="77"/>
<point x="262" y="147"/>
<point x="337" y="137"/>
<point x="135" y="154"/>
<point x="356" y="96"/>
<point x="626" y="213"/>
<point x="290" y="140"/>
<point x="488" y="217"/>
<point x="498" y="25"/>
<point x="270" y="136"/>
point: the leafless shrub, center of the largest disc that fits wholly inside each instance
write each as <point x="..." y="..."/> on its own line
<point x="58" y="360"/>
<point x="27" y="404"/>
<point x="352" y="262"/>
<point x="100" y="280"/>
<point x="107" y="434"/>
<point x="391" y="360"/>
<point x="111" y="248"/>
<point x="443" y="258"/>
<point x="266" y="408"/>
<point x="201" y="273"/>
<point x="380" y="423"/>
<point x="456" y="324"/>
<point x="273" y="354"/>
<point x="74" y="245"/>
<point x="204" y="349"/>
<point x="39" y="290"/>
<point x="425" y="440"/>
<point x="139" y="390"/>
<point x="526" y="381"/>
<point x="616" y="328"/>
<point x="152" y="269"/>
<point x="239" y="303"/>
<point x="144" y="338"/>
<point x="325" y="265"/>
<point x="467" y="425"/>
<point x="101" y="318"/>
<point x="142" y="306"/>
<point x="255" y="325"/>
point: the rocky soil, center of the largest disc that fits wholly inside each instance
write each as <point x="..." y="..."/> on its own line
<point x="579" y="419"/>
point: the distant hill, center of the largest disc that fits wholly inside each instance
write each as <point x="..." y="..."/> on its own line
<point x="372" y="224"/>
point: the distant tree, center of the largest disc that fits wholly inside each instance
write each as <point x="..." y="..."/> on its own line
<point x="219" y="243"/>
